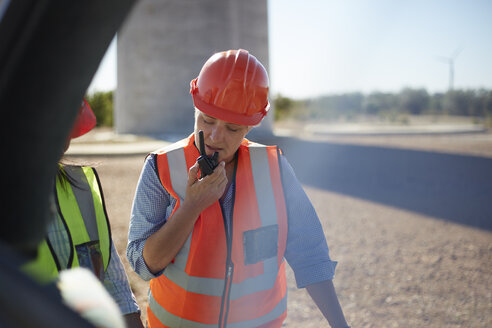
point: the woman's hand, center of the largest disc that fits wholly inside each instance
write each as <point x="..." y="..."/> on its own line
<point x="163" y="245"/>
<point x="201" y="193"/>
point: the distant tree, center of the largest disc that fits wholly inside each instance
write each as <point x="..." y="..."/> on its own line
<point x="343" y="103"/>
<point x="413" y="101"/>
<point x="283" y="103"/>
<point x="435" y="104"/>
<point x="475" y="103"/>
<point x="286" y="107"/>
<point x="482" y="103"/>
<point x="351" y="102"/>
<point x="393" y="106"/>
<point x="487" y="103"/>
<point x="458" y="102"/>
<point x="378" y="102"/>
<point x="102" y="105"/>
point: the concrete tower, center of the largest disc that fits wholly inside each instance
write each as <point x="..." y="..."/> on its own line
<point x="162" y="47"/>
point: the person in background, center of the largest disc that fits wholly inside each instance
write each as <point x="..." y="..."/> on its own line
<point x="215" y="216"/>
<point x="80" y="235"/>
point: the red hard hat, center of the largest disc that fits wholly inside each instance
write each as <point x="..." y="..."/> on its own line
<point x="232" y="86"/>
<point x="85" y="121"/>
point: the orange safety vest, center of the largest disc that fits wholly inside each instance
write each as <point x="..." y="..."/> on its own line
<point x="219" y="280"/>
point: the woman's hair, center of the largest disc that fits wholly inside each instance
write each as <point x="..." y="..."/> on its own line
<point x="63" y="177"/>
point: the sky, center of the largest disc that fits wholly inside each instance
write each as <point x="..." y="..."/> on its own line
<point x="320" y="47"/>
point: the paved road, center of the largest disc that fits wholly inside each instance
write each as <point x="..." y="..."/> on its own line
<point x="453" y="187"/>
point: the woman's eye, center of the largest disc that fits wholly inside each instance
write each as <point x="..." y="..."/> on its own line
<point x="207" y="122"/>
<point x="232" y="129"/>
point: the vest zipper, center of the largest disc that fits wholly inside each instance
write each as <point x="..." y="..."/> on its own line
<point x="224" y="305"/>
<point x="224" y="310"/>
<point x="226" y="295"/>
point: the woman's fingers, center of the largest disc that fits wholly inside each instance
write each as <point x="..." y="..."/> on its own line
<point x="216" y="181"/>
<point x="218" y="174"/>
<point x="205" y="191"/>
<point x="193" y="174"/>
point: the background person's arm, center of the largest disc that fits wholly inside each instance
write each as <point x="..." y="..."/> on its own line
<point x="324" y="295"/>
<point x="117" y="284"/>
<point x="133" y="320"/>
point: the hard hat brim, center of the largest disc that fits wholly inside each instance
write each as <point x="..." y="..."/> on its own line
<point x="229" y="116"/>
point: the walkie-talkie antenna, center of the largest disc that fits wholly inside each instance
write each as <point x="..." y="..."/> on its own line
<point x="202" y="144"/>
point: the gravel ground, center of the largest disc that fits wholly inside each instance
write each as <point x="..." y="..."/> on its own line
<point x="396" y="268"/>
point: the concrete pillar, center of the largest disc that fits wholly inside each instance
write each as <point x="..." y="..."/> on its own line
<point x="162" y="47"/>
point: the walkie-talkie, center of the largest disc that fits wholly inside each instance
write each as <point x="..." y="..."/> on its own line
<point x="207" y="164"/>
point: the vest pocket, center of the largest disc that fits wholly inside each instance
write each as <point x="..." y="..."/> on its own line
<point x="260" y="244"/>
<point x="90" y="257"/>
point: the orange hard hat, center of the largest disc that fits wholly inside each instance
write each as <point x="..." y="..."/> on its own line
<point x="232" y="86"/>
<point x="85" y="121"/>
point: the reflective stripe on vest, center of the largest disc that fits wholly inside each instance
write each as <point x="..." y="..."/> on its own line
<point x="174" y="321"/>
<point x="195" y="279"/>
<point x="84" y="224"/>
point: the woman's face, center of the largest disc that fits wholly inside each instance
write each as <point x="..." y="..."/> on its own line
<point x="219" y="136"/>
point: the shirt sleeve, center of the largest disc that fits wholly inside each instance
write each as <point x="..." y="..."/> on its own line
<point x="116" y="283"/>
<point x="152" y="205"/>
<point x="306" y="250"/>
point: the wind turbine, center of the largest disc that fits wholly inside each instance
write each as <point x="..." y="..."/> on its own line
<point x="450" y="61"/>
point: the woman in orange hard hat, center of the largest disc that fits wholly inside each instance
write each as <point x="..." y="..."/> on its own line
<point x="215" y="216"/>
<point x="80" y="236"/>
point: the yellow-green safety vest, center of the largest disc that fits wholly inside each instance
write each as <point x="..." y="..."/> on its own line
<point x="81" y="210"/>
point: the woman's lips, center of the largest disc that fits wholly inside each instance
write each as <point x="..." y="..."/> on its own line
<point x="213" y="149"/>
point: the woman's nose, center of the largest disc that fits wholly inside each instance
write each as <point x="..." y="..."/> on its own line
<point x="216" y="133"/>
